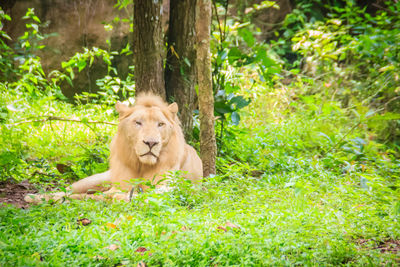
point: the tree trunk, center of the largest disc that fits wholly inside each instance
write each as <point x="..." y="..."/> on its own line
<point x="148" y="47"/>
<point x="208" y="147"/>
<point x="180" y="71"/>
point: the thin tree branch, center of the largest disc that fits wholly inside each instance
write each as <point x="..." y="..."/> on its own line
<point x="219" y="24"/>
<point x="391" y="12"/>
<point x="390" y="101"/>
<point x="226" y="15"/>
<point x="55" y="118"/>
<point x="343" y="137"/>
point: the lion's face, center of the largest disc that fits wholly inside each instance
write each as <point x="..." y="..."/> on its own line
<point x="147" y="130"/>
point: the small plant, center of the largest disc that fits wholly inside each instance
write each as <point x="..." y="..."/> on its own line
<point x="7" y="54"/>
<point x="29" y="43"/>
<point x="112" y="88"/>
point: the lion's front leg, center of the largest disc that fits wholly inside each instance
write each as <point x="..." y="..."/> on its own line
<point x="97" y="182"/>
<point x="112" y="194"/>
<point x="117" y="194"/>
<point x="77" y="190"/>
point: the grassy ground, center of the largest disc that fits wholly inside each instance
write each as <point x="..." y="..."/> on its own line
<point x="285" y="195"/>
<point x="238" y="221"/>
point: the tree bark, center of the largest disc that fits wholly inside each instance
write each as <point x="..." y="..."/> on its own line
<point x="148" y="47"/>
<point x="180" y="70"/>
<point x="208" y="147"/>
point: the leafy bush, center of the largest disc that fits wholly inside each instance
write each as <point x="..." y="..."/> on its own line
<point x="359" y="54"/>
<point x="237" y="52"/>
<point x="37" y="122"/>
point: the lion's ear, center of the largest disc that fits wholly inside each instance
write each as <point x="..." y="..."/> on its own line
<point x="122" y="109"/>
<point x="173" y="108"/>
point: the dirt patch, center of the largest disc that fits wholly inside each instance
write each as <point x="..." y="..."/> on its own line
<point x="14" y="193"/>
<point x="388" y="246"/>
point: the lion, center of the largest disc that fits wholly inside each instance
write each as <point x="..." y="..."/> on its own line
<point x="149" y="145"/>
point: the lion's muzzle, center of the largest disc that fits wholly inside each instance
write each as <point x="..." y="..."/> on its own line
<point x="150" y="143"/>
<point x="149" y="154"/>
<point x="148" y="150"/>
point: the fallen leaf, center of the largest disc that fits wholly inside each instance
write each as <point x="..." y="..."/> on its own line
<point x="113" y="247"/>
<point x="185" y="228"/>
<point x="37" y="256"/>
<point x="172" y="235"/>
<point x="256" y="173"/>
<point x="363" y="167"/>
<point x="63" y="168"/>
<point x="111" y="225"/>
<point x="221" y="228"/>
<point x="84" y="221"/>
<point x="229" y="224"/>
<point x="129" y="217"/>
<point x="141" y="250"/>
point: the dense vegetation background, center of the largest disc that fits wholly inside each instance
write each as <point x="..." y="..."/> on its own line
<point x="308" y="145"/>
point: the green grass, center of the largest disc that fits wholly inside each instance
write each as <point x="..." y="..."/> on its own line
<point x="303" y="223"/>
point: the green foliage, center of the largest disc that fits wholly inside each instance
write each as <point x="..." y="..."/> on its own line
<point x="6" y="53"/>
<point x="80" y="60"/>
<point x="112" y="88"/>
<point x="28" y="136"/>
<point x="32" y="105"/>
<point x="358" y="54"/>
<point x="29" y="43"/>
<point x="235" y="50"/>
<point x="25" y="48"/>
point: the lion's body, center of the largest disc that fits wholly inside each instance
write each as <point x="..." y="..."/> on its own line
<point x="149" y="144"/>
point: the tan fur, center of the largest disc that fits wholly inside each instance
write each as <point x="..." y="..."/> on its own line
<point x="149" y="145"/>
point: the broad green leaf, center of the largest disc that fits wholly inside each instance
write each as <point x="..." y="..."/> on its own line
<point x="247" y="36"/>
<point x="240" y="102"/>
<point x="81" y="65"/>
<point x="234" y="54"/>
<point x="187" y="62"/>
<point x="235" y="118"/>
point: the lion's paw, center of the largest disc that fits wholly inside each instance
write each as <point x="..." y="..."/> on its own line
<point x="40" y="198"/>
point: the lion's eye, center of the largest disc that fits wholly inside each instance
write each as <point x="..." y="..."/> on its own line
<point x="138" y="123"/>
<point x="161" y="124"/>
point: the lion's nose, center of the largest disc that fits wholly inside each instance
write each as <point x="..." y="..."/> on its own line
<point x="150" y="143"/>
